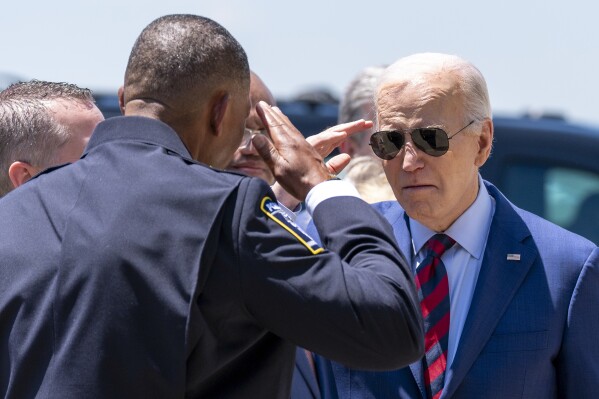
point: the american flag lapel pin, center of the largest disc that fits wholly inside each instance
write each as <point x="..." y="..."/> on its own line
<point x="513" y="256"/>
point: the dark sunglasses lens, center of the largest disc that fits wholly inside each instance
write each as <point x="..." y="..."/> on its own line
<point x="432" y="141"/>
<point x="386" y="145"/>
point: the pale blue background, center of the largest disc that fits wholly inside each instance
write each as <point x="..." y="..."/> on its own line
<point x="536" y="55"/>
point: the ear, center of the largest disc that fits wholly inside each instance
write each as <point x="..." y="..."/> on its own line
<point x="20" y="172"/>
<point x="121" y="95"/>
<point x="218" y="111"/>
<point x="485" y="142"/>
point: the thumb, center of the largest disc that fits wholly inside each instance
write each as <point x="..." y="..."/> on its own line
<point x="338" y="163"/>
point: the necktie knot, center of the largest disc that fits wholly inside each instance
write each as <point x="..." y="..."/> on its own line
<point x="438" y="244"/>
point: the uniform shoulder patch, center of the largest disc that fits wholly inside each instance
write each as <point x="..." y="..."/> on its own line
<point x="273" y="210"/>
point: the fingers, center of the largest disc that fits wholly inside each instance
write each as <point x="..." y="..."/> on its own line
<point x="278" y="125"/>
<point x="266" y="150"/>
<point x="338" y="163"/>
<point x="353" y="127"/>
<point x="325" y="142"/>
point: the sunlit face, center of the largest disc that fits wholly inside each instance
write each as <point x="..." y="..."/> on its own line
<point x="433" y="190"/>
<point x="80" y="119"/>
<point x="246" y="160"/>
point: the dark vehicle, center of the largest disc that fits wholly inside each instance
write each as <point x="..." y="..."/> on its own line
<point x="547" y="166"/>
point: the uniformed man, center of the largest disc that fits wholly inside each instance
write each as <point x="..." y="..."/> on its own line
<point x="143" y="271"/>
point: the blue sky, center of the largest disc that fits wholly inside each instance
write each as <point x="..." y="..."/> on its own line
<point x="539" y="56"/>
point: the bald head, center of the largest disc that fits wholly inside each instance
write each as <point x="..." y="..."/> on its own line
<point x="179" y="54"/>
<point x="246" y="159"/>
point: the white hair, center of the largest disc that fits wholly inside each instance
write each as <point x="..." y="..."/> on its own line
<point x="469" y="80"/>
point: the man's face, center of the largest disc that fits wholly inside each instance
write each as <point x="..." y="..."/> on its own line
<point x="80" y="118"/>
<point x="433" y="190"/>
<point x="246" y="160"/>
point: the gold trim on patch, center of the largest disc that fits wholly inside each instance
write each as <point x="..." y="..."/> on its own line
<point x="290" y="230"/>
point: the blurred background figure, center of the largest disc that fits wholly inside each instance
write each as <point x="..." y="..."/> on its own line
<point x="358" y="103"/>
<point x="368" y="176"/>
<point x="42" y="124"/>
<point x="246" y="160"/>
<point x="365" y="171"/>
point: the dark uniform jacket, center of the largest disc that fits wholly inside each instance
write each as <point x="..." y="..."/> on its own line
<point x="139" y="273"/>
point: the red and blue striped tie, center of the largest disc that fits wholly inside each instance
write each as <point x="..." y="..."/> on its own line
<point x="433" y="290"/>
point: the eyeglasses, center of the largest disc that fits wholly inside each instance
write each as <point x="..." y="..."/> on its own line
<point x="247" y="136"/>
<point x="432" y="141"/>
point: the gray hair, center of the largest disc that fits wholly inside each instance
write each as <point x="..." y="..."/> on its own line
<point x="28" y="131"/>
<point x="469" y="80"/>
<point x="359" y="94"/>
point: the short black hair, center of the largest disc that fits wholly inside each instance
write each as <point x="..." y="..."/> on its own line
<point x="176" y="53"/>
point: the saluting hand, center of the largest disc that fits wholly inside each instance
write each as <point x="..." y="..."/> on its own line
<point x="295" y="164"/>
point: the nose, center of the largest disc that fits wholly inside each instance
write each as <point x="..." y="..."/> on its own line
<point x="412" y="158"/>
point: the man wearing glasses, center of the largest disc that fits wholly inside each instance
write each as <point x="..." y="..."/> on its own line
<point x="246" y="160"/>
<point x="509" y="300"/>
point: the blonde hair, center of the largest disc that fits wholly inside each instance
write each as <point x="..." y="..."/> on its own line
<point x="368" y="176"/>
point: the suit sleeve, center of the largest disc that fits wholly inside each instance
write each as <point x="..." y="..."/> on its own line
<point x="578" y="366"/>
<point x="354" y="303"/>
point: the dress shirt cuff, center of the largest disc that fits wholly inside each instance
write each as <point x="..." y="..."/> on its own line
<point x="329" y="189"/>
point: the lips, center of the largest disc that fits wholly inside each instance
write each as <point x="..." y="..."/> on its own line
<point x="418" y="187"/>
<point x="248" y="166"/>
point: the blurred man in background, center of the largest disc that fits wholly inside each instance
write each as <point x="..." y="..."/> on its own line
<point x="42" y="124"/>
<point x="246" y="160"/>
<point x="358" y="103"/>
<point x="365" y="171"/>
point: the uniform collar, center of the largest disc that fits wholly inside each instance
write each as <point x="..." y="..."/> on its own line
<point x="137" y="128"/>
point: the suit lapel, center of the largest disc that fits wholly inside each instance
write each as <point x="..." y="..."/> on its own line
<point x="498" y="281"/>
<point x="397" y="217"/>
<point x="301" y="362"/>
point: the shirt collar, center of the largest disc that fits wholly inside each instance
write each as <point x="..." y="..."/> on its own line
<point x="470" y="230"/>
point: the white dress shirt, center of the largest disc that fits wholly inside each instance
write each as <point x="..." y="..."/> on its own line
<point x="462" y="261"/>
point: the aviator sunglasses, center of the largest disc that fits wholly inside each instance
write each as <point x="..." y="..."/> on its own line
<point x="432" y="141"/>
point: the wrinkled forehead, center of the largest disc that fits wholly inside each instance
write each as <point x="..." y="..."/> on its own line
<point x="434" y="99"/>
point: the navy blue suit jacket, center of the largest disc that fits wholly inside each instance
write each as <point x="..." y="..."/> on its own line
<point x="304" y="384"/>
<point x="532" y="327"/>
<point x="139" y="273"/>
